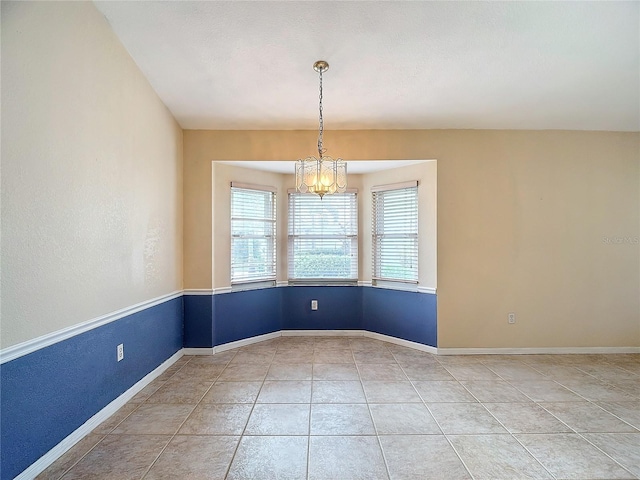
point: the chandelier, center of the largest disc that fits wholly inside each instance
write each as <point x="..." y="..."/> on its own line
<point x="322" y="175"/>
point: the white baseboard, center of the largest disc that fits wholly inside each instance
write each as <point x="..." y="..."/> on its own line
<point x="321" y="333"/>
<point x="198" y="351"/>
<point x="536" y="350"/>
<point x="404" y="343"/>
<point x="245" y="341"/>
<point x="61" y="448"/>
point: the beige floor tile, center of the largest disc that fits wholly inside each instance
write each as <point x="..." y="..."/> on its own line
<point x="70" y="457"/>
<point x="200" y="371"/>
<point x="244" y="372"/>
<point x="285" y="391"/>
<point x="390" y="392"/>
<point x="526" y="418"/>
<point x="597" y="390"/>
<point x="332" y="343"/>
<point x="516" y="372"/>
<point x="279" y="419"/>
<point x="624" y="448"/>
<point x="460" y="359"/>
<point x="587" y="417"/>
<point x="219" y="358"/>
<point x="147" y="391"/>
<point x="253" y="357"/>
<point x="464" y="418"/>
<point x="381" y="372"/>
<point x="181" y="391"/>
<point x="332" y="356"/>
<point x="365" y="343"/>
<point x="443" y="391"/>
<point x="491" y="457"/>
<point x="344" y="443"/>
<point x="286" y="371"/>
<point x="335" y="371"/>
<point x="114" y="420"/>
<point x="630" y="386"/>
<point x="380" y="356"/>
<point x="418" y="359"/>
<point x="341" y="419"/>
<point x="154" y="419"/>
<point x="403" y="419"/>
<point x="346" y="458"/>
<point x="558" y="371"/>
<point x="427" y="372"/>
<point x="217" y="419"/>
<point x="233" y="392"/>
<point x="494" y="391"/>
<point x="282" y="458"/>
<point x="424" y="457"/>
<point x="294" y="356"/>
<point x="572" y="457"/>
<point x="194" y="457"/>
<point x="337" y="391"/>
<point x="471" y="372"/>
<point x="608" y="372"/>
<point x="545" y="391"/>
<point x="627" y="411"/>
<point x="119" y="457"/>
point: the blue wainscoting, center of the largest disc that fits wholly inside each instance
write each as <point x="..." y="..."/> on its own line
<point x="198" y="330"/>
<point x="49" y="393"/>
<point x="339" y="308"/>
<point x="407" y="315"/>
<point x="239" y="315"/>
<point x="246" y="314"/>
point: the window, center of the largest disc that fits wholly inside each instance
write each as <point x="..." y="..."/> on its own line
<point x="395" y="233"/>
<point x="323" y="237"/>
<point x="253" y="233"/>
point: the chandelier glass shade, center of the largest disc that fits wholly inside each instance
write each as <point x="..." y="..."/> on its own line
<point x="321" y="175"/>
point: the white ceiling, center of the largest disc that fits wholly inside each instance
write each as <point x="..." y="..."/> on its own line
<point x="421" y="64"/>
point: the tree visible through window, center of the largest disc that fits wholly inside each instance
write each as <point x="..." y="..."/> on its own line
<point x="323" y="237"/>
<point x="395" y="232"/>
<point x="253" y="234"/>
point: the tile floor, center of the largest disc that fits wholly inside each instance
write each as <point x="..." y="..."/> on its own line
<point x="357" y="408"/>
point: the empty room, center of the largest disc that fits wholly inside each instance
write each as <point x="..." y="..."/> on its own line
<point x="320" y="240"/>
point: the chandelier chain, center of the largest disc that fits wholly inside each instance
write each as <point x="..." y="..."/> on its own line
<point x="321" y="126"/>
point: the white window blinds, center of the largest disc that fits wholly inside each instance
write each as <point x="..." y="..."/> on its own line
<point x="323" y="237"/>
<point x="253" y="234"/>
<point x="395" y="232"/>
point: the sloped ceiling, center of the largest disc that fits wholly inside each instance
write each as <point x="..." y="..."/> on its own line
<point x="495" y="65"/>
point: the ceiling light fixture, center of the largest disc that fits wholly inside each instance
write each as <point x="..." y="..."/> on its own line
<point x="322" y="175"/>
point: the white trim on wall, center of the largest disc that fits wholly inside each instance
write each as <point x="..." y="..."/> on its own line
<point x="401" y="342"/>
<point x="217" y="291"/>
<point x="321" y="333"/>
<point x="198" y="291"/>
<point x="430" y="290"/>
<point x="30" y="346"/>
<point x="245" y="342"/>
<point x="198" y="351"/>
<point x="56" y="452"/>
<point x="536" y="350"/>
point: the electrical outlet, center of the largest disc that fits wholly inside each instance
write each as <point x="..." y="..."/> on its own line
<point x="314" y="304"/>
<point x="511" y="318"/>
<point x="120" y="351"/>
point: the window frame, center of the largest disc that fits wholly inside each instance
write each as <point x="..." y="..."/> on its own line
<point x="353" y="238"/>
<point x="377" y="196"/>
<point x="271" y="264"/>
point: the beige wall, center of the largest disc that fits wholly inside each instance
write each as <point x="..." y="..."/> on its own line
<point x="91" y="174"/>
<point x="521" y="218"/>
